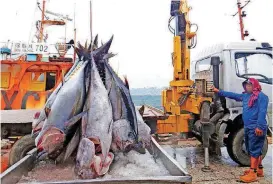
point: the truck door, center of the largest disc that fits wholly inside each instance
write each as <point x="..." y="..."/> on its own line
<point x="253" y="64"/>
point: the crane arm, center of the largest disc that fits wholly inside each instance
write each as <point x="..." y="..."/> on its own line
<point x="182" y="39"/>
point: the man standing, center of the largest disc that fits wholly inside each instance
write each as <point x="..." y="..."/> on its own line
<point x="255" y="104"/>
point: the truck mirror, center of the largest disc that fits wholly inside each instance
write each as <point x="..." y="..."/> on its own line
<point x="215" y="61"/>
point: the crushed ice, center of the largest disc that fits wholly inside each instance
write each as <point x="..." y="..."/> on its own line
<point x="137" y="165"/>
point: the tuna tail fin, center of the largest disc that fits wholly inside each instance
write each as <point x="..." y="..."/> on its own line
<point x="80" y="46"/>
<point x="126" y="82"/>
<point x="108" y="56"/>
<point x="85" y="45"/>
<point x="100" y="52"/>
<point x="95" y="43"/>
<point x="78" y="52"/>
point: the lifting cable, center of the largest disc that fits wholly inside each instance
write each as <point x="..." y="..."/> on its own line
<point x="172" y="30"/>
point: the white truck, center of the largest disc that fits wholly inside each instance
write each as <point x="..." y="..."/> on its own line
<point x="237" y="62"/>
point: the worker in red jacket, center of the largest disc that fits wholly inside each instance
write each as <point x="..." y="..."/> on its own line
<point x="255" y="104"/>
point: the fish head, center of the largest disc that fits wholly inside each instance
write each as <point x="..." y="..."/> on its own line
<point x="144" y="131"/>
<point x="86" y="173"/>
<point x="144" y="134"/>
<point x="84" y="159"/>
<point x="123" y="137"/>
<point x="51" y="141"/>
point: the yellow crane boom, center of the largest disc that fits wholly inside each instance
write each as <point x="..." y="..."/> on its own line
<point x="179" y="101"/>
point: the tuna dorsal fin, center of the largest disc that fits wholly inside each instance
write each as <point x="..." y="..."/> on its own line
<point x="126" y="82"/>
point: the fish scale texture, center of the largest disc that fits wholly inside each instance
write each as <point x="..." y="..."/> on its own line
<point x="70" y="99"/>
<point x="99" y="117"/>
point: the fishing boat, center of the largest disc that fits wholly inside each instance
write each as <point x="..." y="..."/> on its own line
<point x="31" y="71"/>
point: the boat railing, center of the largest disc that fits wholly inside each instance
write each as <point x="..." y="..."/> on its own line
<point x="13" y="50"/>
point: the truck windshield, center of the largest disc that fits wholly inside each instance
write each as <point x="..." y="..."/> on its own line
<point x="254" y="65"/>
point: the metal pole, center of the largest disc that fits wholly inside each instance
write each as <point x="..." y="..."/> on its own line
<point x="241" y="20"/>
<point x="74" y="54"/>
<point x="91" y="36"/>
<point x="43" y="18"/>
<point x="206" y="157"/>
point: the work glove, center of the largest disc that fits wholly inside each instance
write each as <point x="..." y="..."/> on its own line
<point x="258" y="132"/>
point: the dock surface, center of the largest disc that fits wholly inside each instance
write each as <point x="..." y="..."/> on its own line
<point x="224" y="169"/>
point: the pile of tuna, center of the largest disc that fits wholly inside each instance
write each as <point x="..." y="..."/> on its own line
<point x="90" y="114"/>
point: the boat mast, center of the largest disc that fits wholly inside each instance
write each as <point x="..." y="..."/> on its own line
<point x="91" y="22"/>
<point x="42" y="25"/>
<point x="74" y="54"/>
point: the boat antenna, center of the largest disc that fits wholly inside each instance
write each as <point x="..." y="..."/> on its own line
<point x="91" y="36"/>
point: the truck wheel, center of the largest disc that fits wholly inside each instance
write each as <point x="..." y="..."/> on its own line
<point x="237" y="151"/>
<point x="229" y="147"/>
<point x="4" y="132"/>
<point x="20" y="149"/>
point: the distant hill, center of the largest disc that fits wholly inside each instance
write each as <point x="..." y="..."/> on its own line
<point x="153" y="91"/>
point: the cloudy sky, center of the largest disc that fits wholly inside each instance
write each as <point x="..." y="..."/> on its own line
<point x="141" y="36"/>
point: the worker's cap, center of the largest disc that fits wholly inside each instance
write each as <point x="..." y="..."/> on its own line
<point x="247" y="81"/>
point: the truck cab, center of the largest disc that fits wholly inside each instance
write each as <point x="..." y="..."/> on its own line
<point x="238" y="61"/>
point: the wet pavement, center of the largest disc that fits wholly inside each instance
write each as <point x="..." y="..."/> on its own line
<point x="224" y="169"/>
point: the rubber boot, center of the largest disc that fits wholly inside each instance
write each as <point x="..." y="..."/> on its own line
<point x="260" y="169"/>
<point x="260" y="172"/>
<point x="251" y="176"/>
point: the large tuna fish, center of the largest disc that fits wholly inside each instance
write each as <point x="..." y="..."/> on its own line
<point x="122" y="138"/>
<point x="37" y="122"/>
<point x="93" y="157"/>
<point x="65" y="111"/>
<point x="125" y="129"/>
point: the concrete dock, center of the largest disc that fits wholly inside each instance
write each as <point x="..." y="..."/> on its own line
<point x="224" y="169"/>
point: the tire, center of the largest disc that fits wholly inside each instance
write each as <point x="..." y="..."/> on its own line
<point x="229" y="147"/>
<point x="21" y="148"/>
<point x="236" y="151"/>
<point x="4" y="132"/>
